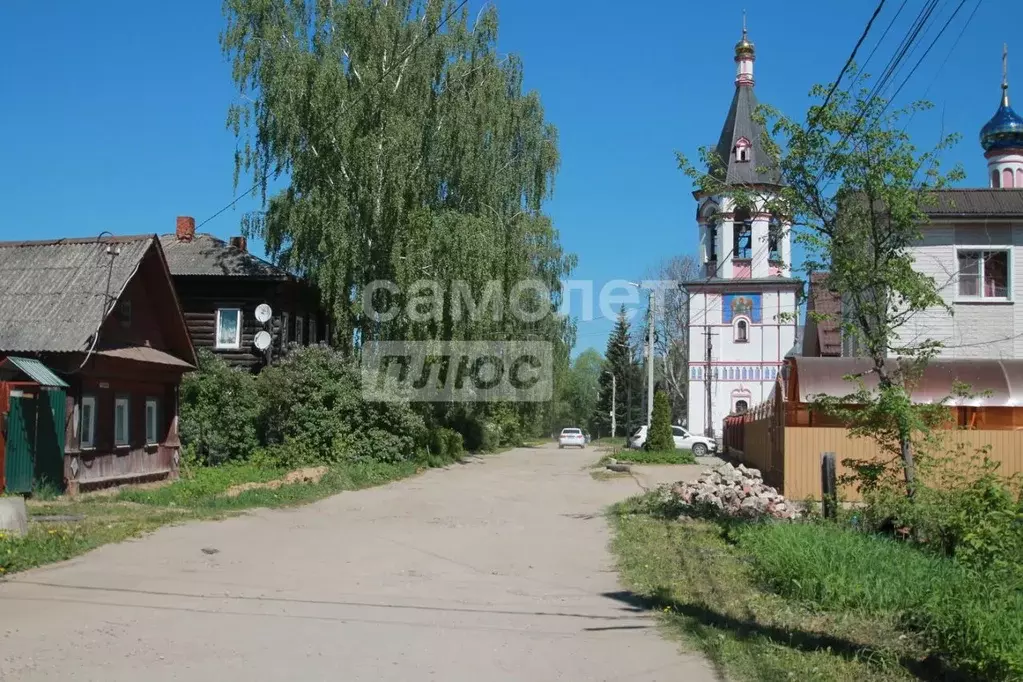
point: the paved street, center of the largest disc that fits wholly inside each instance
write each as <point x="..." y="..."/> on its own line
<point x="492" y="570"/>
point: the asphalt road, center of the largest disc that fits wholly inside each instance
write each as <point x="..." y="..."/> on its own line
<point x="488" y="571"/>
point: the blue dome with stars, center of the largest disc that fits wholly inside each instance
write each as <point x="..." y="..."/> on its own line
<point x="1004" y="130"/>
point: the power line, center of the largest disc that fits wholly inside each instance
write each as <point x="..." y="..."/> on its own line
<point x="412" y="48"/>
<point x="924" y="55"/>
<point x="848" y="63"/>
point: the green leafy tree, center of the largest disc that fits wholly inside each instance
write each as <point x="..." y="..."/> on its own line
<point x="577" y="397"/>
<point x="413" y="155"/>
<point x="854" y="188"/>
<point x="660" y="438"/>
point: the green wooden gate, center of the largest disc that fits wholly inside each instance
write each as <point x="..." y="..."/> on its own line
<point x="21" y="442"/>
<point x="49" y="453"/>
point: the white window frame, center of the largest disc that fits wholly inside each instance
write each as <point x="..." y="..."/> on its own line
<point x="126" y="402"/>
<point x="285" y="320"/>
<point x="312" y="330"/>
<point x="299" y="330"/>
<point x="154" y="403"/>
<point x="90" y="443"/>
<point x="981" y="298"/>
<point x="735" y="326"/>
<point x="237" y="343"/>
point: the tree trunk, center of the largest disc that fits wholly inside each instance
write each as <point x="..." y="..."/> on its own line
<point x="908" y="466"/>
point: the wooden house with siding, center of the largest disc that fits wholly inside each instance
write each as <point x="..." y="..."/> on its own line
<point x="101" y="316"/>
<point x="220" y="285"/>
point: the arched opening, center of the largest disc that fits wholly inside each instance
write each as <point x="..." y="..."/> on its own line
<point x="742" y="235"/>
<point x="742" y="331"/>
<point x="742" y="150"/>
<point x="994" y="179"/>
<point x="1019" y="177"/>
<point x="774" y="238"/>
<point x="1007" y="179"/>
<point x="741" y="406"/>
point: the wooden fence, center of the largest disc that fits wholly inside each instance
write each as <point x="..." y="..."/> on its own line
<point x="803" y="448"/>
<point x="797" y="471"/>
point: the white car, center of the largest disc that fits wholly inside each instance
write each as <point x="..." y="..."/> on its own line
<point x="571" y="437"/>
<point x="700" y="445"/>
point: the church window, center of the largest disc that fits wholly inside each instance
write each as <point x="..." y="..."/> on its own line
<point x="741" y="331"/>
<point x="741" y="406"/>
<point x="774" y="238"/>
<point x="994" y="179"/>
<point x="712" y="241"/>
<point x="742" y="235"/>
<point x="742" y="150"/>
<point x="1007" y="180"/>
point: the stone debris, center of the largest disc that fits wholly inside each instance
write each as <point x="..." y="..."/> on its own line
<point x="732" y="491"/>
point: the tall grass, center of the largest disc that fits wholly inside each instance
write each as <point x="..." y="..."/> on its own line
<point x="977" y="622"/>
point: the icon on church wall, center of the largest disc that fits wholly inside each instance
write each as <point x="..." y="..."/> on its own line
<point x="745" y="305"/>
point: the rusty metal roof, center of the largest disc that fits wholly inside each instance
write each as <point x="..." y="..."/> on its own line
<point x="991" y="382"/>
<point x="205" y="255"/>
<point x="55" y="294"/>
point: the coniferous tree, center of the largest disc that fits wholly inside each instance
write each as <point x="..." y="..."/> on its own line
<point x="620" y="363"/>
<point x="660" y="438"/>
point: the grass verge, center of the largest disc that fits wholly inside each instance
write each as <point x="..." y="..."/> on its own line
<point x="708" y="592"/>
<point x="67" y="527"/>
<point x="651" y="457"/>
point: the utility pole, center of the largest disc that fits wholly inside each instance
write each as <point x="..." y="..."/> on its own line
<point x="708" y="429"/>
<point x="614" y="401"/>
<point x="650" y="363"/>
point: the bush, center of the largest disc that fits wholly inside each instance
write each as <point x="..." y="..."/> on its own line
<point x="219" y="411"/>
<point x="977" y="623"/>
<point x="446" y="443"/>
<point x="314" y="412"/>
<point x="970" y="513"/>
<point x="660" y="438"/>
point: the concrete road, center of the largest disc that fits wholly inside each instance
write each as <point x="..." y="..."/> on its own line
<point x="488" y="571"/>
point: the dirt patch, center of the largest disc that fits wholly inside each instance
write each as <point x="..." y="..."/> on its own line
<point x="307" y="475"/>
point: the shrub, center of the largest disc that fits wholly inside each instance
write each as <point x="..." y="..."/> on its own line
<point x="219" y="411"/>
<point x="660" y="438"/>
<point x="455" y="446"/>
<point x="970" y="513"/>
<point x="314" y="412"/>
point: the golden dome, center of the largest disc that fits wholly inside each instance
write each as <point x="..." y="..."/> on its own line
<point x="744" y="48"/>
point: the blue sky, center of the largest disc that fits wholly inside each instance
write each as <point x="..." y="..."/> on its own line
<point x="113" y="112"/>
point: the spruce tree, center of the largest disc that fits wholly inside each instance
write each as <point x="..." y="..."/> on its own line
<point x="618" y="362"/>
<point x="660" y="437"/>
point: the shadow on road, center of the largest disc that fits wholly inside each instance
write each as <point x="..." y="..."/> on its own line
<point x="930" y="669"/>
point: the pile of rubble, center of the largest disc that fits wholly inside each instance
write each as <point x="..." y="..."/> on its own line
<point x="733" y="491"/>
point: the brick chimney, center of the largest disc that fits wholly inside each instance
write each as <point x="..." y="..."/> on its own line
<point x="239" y="243"/>
<point x="185" y="231"/>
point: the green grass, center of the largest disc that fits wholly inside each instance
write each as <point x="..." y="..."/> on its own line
<point x="198" y="495"/>
<point x="651" y="457"/>
<point x="976" y="621"/>
<point x="777" y="601"/>
<point x="708" y="594"/>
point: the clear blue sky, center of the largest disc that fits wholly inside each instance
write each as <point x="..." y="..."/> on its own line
<point x="113" y="112"/>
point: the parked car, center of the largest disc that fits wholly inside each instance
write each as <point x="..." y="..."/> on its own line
<point x="700" y="445"/>
<point x="571" y="437"/>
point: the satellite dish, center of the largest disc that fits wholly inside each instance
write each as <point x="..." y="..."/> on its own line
<point x="263" y="312"/>
<point x="262" y="339"/>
